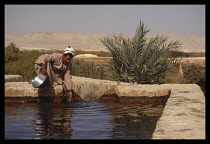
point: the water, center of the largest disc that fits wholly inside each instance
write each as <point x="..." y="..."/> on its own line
<point x="81" y="120"/>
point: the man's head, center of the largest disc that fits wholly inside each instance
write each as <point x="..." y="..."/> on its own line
<point x="68" y="54"/>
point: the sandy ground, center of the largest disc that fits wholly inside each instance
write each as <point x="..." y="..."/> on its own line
<point x="33" y="48"/>
<point x="197" y="60"/>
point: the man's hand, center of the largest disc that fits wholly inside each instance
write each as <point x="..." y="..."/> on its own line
<point x="69" y="97"/>
<point x="44" y="70"/>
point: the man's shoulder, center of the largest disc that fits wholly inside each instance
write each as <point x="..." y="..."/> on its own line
<point x="56" y="54"/>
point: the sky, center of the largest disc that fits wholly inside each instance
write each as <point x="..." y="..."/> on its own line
<point x="106" y="19"/>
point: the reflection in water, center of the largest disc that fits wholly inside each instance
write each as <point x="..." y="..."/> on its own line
<point x="81" y="120"/>
<point x="53" y="121"/>
<point x="134" y="121"/>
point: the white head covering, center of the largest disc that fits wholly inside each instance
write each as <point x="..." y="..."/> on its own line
<point x="70" y="50"/>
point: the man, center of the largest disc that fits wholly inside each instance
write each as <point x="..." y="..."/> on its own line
<point x="58" y="68"/>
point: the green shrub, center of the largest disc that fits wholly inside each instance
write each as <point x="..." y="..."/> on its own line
<point x="141" y="60"/>
<point x="12" y="48"/>
<point x="22" y="63"/>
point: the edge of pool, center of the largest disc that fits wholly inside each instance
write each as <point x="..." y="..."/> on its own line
<point x="184" y="114"/>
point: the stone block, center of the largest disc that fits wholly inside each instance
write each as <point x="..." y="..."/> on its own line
<point x="110" y="95"/>
<point x="164" y="92"/>
<point x="148" y="91"/>
<point x="12" y="78"/>
<point x="130" y="94"/>
<point x="24" y="89"/>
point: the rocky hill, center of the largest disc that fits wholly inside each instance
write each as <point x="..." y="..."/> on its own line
<point x="87" y="41"/>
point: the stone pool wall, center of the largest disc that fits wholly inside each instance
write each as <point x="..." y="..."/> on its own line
<point x="183" y="116"/>
<point x="12" y="78"/>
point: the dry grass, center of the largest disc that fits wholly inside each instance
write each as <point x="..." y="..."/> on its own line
<point x="196" y="60"/>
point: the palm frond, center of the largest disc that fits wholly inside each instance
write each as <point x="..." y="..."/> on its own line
<point x="143" y="60"/>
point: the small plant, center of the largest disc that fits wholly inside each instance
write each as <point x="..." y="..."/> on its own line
<point x="12" y="48"/>
<point x="140" y="60"/>
<point x="194" y="74"/>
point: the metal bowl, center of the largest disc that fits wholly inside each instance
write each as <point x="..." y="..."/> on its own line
<point x="40" y="81"/>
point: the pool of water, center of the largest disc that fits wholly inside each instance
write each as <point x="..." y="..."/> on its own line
<point x="88" y="119"/>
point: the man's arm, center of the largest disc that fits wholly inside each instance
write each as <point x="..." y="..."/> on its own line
<point x="67" y="82"/>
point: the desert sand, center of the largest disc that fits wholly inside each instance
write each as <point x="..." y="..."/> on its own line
<point x="88" y="41"/>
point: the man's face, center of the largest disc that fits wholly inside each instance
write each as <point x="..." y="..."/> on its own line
<point x="66" y="59"/>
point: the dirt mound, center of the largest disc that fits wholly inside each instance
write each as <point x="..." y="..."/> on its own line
<point x="86" y="56"/>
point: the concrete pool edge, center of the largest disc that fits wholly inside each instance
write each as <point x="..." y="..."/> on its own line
<point x="183" y="116"/>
